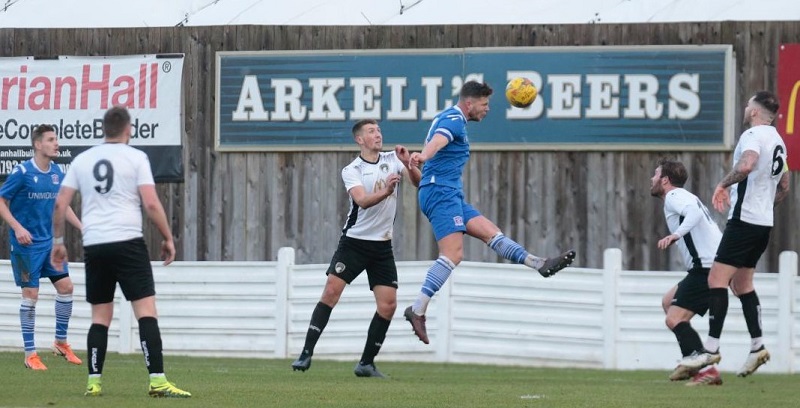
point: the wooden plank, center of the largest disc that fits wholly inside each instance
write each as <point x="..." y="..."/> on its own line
<point x="236" y="200"/>
<point x="255" y="212"/>
<point x="215" y="214"/>
<point x="272" y="210"/>
<point x="7" y="42"/>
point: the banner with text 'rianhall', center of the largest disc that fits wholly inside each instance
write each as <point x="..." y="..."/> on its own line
<point x="591" y="98"/>
<point x="73" y="93"/>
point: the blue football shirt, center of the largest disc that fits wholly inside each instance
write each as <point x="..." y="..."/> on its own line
<point x="447" y="165"/>
<point x="31" y="194"/>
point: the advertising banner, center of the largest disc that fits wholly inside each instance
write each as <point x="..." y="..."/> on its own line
<point x="72" y="94"/>
<point x="788" y="92"/>
<point x="591" y="98"/>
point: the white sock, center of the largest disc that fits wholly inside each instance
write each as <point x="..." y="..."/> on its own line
<point x="712" y="344"/>
<point x="420" y="305"/>
<point x="532" y="261"/>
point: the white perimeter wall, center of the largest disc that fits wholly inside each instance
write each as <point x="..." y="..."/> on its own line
<point x="487" y="313"/>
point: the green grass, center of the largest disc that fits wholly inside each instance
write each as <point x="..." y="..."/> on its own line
<point x="219" y="382"/>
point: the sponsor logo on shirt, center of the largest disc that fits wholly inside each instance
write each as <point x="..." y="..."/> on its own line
<point x="44" y="195"/>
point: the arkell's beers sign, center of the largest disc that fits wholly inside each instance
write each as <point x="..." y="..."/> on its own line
<point x="601" y="98"/>
<point x="73" y="93"/>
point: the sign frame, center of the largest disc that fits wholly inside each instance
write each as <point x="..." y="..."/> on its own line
<point x="725" y="142"/>
<point x="72" y="92"/>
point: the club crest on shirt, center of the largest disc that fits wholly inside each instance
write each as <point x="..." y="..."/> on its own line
<point x="35" y="179"/>
<point x="339" y="267"/>
<point x="458" y="221"/>
<point x="54" y="177"/>
<point x="384" y="167"/>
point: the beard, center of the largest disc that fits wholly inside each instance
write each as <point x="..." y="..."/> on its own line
<point x="656" y="191"/>
<point x="474" y="117"/>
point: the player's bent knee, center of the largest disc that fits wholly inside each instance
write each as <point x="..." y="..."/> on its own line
<point x="65" y="288"/>
<point x="670" y="322"/>
<point x="387" y="309"/>
<point x="30" y="293"/>
<point x="330" y="295"/>
<point x="455" y="257"/>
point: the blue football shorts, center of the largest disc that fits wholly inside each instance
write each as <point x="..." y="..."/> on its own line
<point x="446" y="209"/>
<point x="29" y="267"/>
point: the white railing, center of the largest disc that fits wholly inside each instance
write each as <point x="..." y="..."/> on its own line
<point x="487" y="313"/>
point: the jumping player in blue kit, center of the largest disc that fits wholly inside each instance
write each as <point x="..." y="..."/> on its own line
<point x="441" y="199"/>
<point x="26" y="205"/>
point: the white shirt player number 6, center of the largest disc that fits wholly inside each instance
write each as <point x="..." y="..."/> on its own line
<point x="778" y="161"/>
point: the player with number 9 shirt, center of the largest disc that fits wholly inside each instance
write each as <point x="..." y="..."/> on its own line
<point x="115" y="181"/>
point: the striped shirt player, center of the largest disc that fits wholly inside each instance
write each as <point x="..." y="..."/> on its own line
<point x="441" y="199"/>
<point x="759" y="181"/>
<point x="116" y="183"/>
<point x="28" y="196"/>
<point x="365" y="244"/>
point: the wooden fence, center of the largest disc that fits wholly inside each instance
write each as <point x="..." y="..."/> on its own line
<point x="244" y="206"/>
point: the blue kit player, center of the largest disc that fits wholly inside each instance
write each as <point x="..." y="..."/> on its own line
<point x="441" y="198"/>
<point x="26" y="205"/>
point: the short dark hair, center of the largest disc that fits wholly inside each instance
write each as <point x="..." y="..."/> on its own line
<point x="674" y="170"/>
<point x="361" y="123"/>
<point x="115" y="121"/>
<point x="39" y="131"/>
<point x="475" y="89"/>
<point x="768" y="100"/>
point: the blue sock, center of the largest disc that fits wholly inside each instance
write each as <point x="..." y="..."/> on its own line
<point x="507" y="248"/>
<point x="434" y="280"/>
<point x="27" y="321"/>
<point x="437" y="275"/>
<point x="63" y="313"/>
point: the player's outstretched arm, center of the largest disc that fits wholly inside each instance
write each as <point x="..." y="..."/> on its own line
<point x="437" y="142"/>
<point x="155" y="211"/>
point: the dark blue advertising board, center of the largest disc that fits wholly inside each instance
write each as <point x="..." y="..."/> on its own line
<point x="590" y="98"/>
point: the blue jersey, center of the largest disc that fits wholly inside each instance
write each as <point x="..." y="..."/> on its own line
<point x="447" y="165"/>
<point x="31" y="194"/>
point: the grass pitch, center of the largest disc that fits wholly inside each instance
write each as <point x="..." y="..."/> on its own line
<point x="219" y="382"/>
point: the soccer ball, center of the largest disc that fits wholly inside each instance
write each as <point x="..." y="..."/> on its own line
<point x="520" y="92"/>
